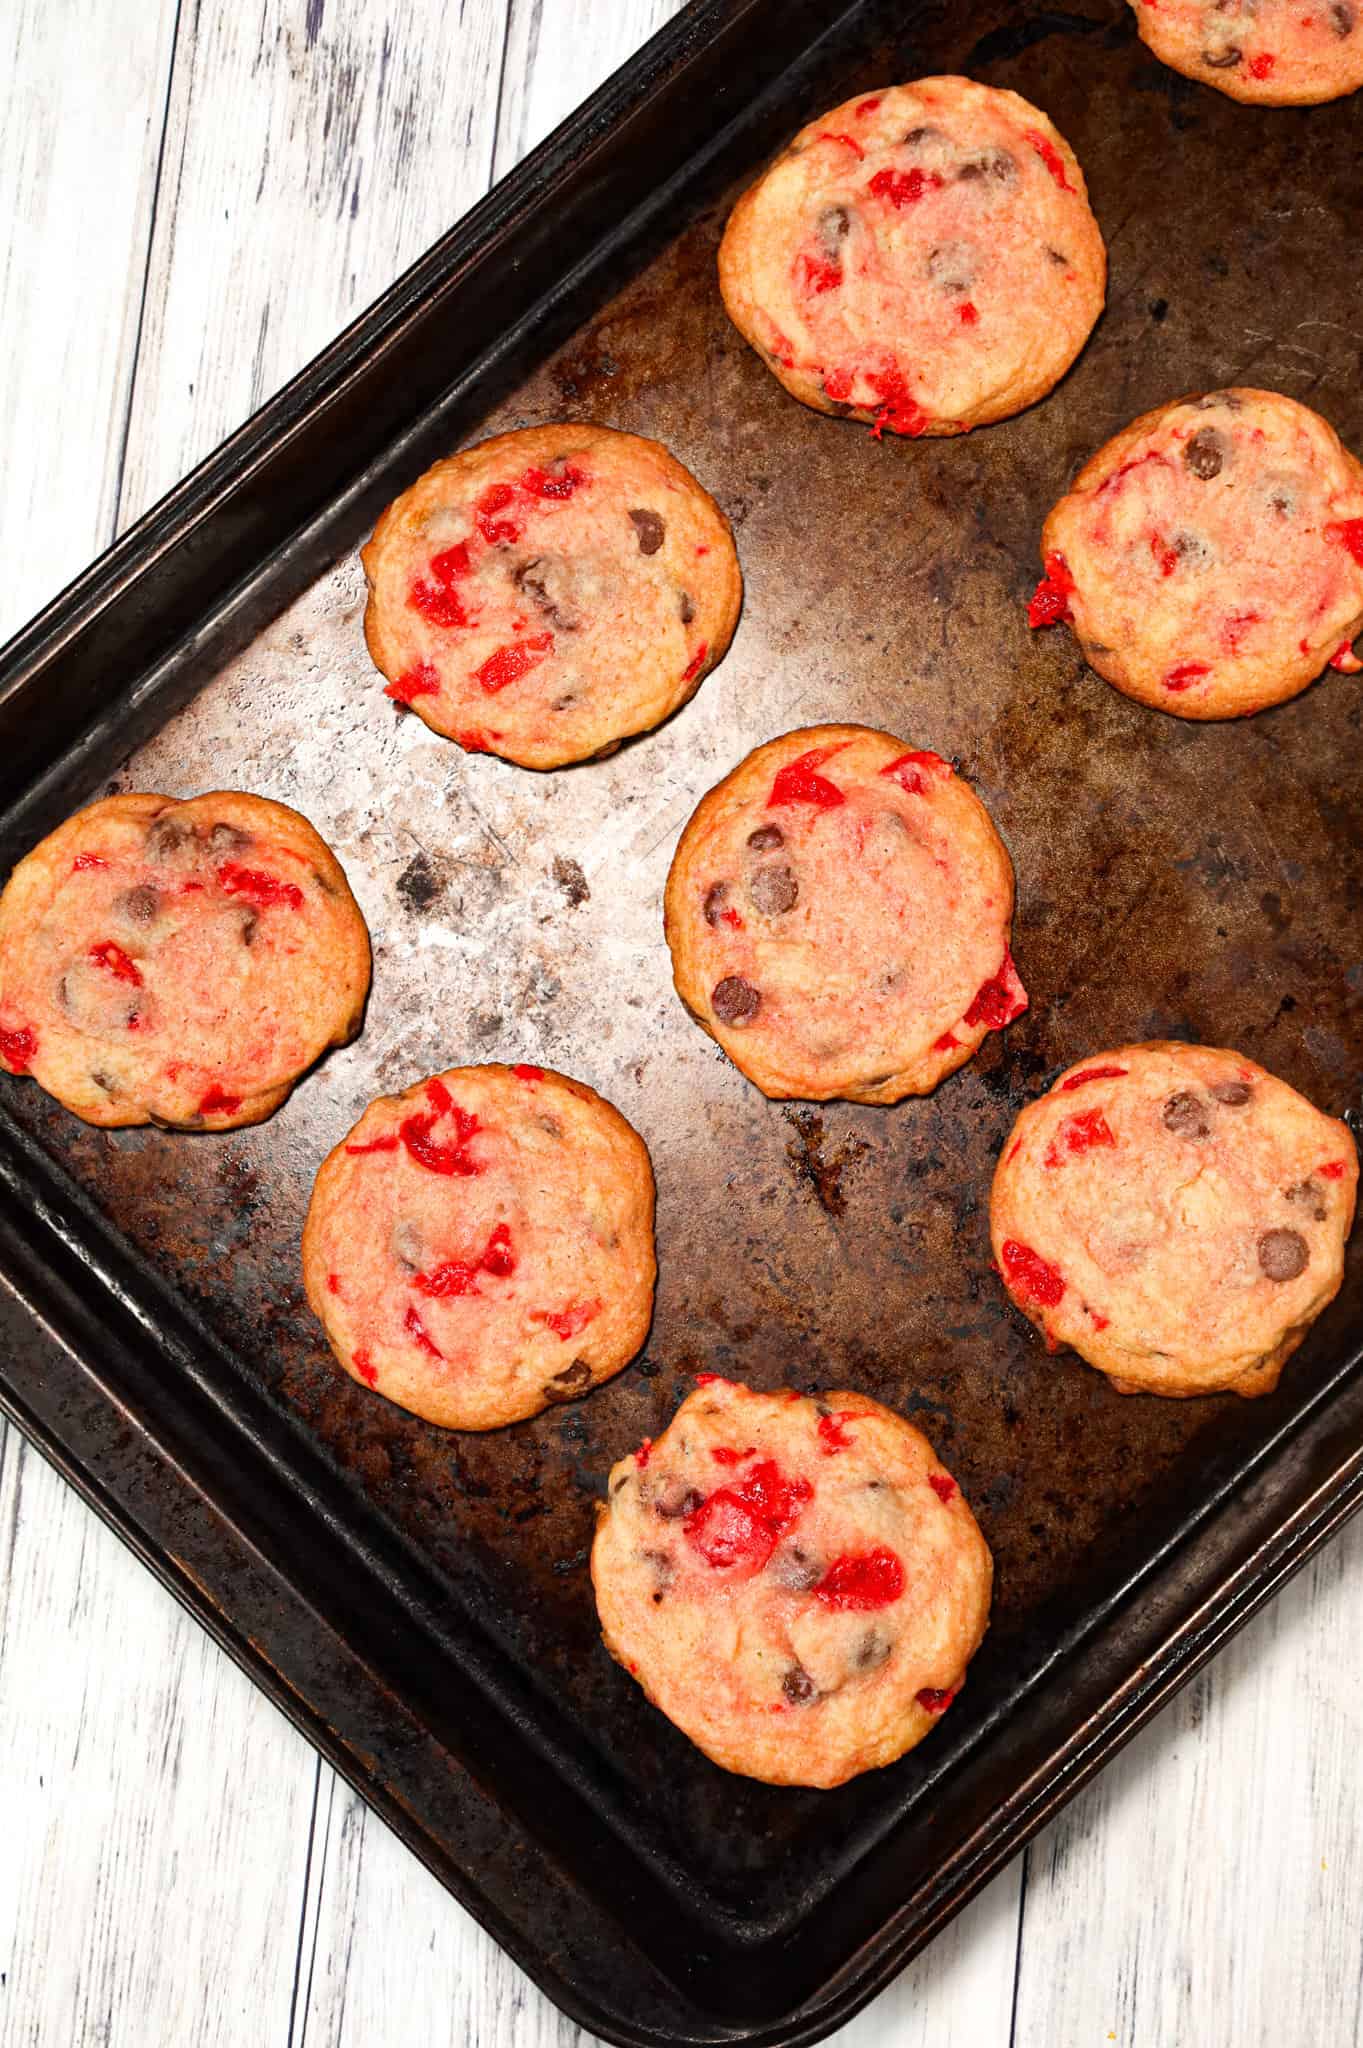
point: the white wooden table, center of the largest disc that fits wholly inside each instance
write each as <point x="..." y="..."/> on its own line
<point x="197" y="196"/>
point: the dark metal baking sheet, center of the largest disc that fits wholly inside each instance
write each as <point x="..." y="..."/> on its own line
<point x="419" y="1602"/>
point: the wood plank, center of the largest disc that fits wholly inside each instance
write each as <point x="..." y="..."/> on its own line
<point x="82" y="98"/>
<point x="156" y="1805"/>
<point x="1206" y="1887"/>
<point x="556" y="55"/>
<point x="314" y="149"/>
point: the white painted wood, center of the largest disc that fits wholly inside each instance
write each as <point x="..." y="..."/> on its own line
<point x="82" y="101"/>
<point x="155" y="1805"/>
<point x="1208" y="1887"/>
<point x="172" y="1850"/>
<point x="313" y="149"/>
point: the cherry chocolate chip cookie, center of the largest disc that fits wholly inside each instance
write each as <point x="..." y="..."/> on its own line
<point x="178" y="963"/>
<point x="798" y="1584"/>
<point x="923" y="258"/>
<point x="1280" y="53"/>
<point x="1210" y="557"/>
<point x="839" y="911"/>
<point x="1175" y="1214"/>
<point x="547" y="593"/>
<point x="481" y="1246"/>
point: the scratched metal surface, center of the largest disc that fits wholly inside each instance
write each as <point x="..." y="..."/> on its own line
<point x="1195" y="881"/>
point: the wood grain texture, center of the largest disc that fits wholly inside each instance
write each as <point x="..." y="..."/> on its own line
<point x="1206" y="1888"/>
<point x="82" y="104"/>
<point x="177" y="1866"/>
<point x="313" y="149"/>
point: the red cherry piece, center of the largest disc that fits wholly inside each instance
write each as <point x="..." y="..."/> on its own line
<point x="861" y="1581"/>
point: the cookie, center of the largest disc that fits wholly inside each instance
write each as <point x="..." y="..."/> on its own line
<point x="1280" y="53"/>
<point x="839" y="910"/>
<point x="1175" y="1214"/>
<point x="923" y="258"/>
<point x="1210" y="558"/>
<point x="481" y="1246"/>
<point x="547" y="593"/>
<point x="798" y="1584"/>
<point x="178" y="963"/>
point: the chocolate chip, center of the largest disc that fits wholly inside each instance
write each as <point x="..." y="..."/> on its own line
<point x="140" y="905"/>
<point x="167" y="839"/>
<point x="686" y="610"/>
<point x="872" y="1650"/>
<point x="671" y="1497"/>
<point x="248" y="924"/>
<point x="713" y="908"/>
<point x="834" y="223"/>
<point x="766" y="838"/>
<point x="1223" y="59"/>
<point x="406" y="1241"/>
<point x="541" y="580"/>
<point x="794" y="1569"/>
<point x="1058" y="256"/>
<point x="106" y="1082"/>
<point x="649" y="528"/>
<point x="1186" y="1116"/>
<point x="1343" y="19"/>
<point x="925" y="132"/>
<point x="1283" y="1254"/>
<point x="664" y="1571"/>
<point x="1205" y="453"/>
<point x="734" y="1000"/>
<point x="798" y="1687"/>
<point x="1309" y="1194"/>
<point x="567" y="1385"/>
<point x="227" y="839"/>
<point x="994" y="164"/>
<point x="951" y="266"/>
<point x="1234" y="1094"/>
<point x="774" y="890"/>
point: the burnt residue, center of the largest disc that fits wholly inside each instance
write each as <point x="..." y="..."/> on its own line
<point x="819" y="1163"/>
<point x="570" y="878"/>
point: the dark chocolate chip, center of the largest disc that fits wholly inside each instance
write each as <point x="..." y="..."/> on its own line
<point x="1058" y="256"/>
<point x="951" y="266"/>
<point x="766" y="838"/>
<point x="106" y="1082"/>
<point x="533" y="577"/>
<point x="1309" y="1194"/>
<point x="994" y="164"/>
<point x="1234" y="1094"/>
<point x="568" y="1384"/>
<point x="925" y="132"/>
<point x="405" y="1239"/>
<point x="872" y="1650"/>
<point x="1205" y="453"/>
<point x="664" y="1571"/>
<point x="167" y="839"/>
<point x="649" y="528"/>
<point x="1186" y="1116"/>
<point x="248" y="924"/>
<point x="686" y="609"/>
<point x="798" y="1687"/>
<point x="1283" y="1254"/>
<point x="834" y="223"/>
<point x="227" y="839"/>
<point x="1223" y="59"/>
<point x="795" y="1569"/>
<point x="734" y="1000"/>
<point x="671" y="1497"/>
<point x="1343" y="19"/>
<point x="713" y="907"/>
<point x="774" y="890"/>
<point x="140" y="905"/>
